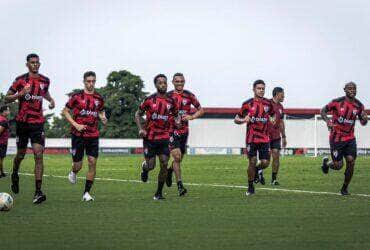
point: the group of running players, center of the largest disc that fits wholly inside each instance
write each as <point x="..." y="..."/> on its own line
<point x="163" y="123"/>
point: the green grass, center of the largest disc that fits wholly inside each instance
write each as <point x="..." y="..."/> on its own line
<point x="124" y="216"/>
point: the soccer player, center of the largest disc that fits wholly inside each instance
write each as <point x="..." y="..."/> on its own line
<point x="256" y="113"/>
<point x="4" y="136"/>
<point x="179" y="137"/>
<point x="159" y="109"/>
<point x="87" y="107"/>
<point x="30" y="89"/>
<point x="345" y="110"/>
<point x="277" y="132"/>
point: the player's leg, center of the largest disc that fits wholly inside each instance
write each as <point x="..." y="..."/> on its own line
<point x="149" y="164"/>
<point x="350" y="153"/>
<point x="336" y="151"/>
<point x="252" y="162"/>
<point x="163" y="152"/>
<point x="92" y="152"/>
<point x="22" y="141"/>
<point x="177" y="158"/>
<point x="264" y="156"/>
<point x="38" y="152"/>
<point x="275" y="147"/>
<point x="78" y="149"/>
<point x="3" y="148"/>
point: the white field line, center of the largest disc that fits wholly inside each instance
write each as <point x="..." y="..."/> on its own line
<point x="213" y="185"/>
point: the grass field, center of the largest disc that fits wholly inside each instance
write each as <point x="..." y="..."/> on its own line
<point x="124" y="215"/>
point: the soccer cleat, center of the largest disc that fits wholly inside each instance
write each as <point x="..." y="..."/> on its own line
<point x="169" y="177"/>
<point x="250" y="191"/>
<point x="39" y="197"/>
<point x="158" y="197"/>
<point x="261" y="178"/>
<point x="2" y="175"/>
<point x="182" y="191"/>
<point x="344" y="191"/>
<point x="275" y="183"/>
<point x="15" y="183"/>
<point x="325" y="167"/>
<point x="144" y="173"/>
<point x="72" y="177"/>
<point x="87" y="197"/>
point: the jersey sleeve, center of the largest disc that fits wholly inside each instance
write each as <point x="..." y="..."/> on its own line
<point x="243" y="111"/>
<point x="71" y="102"/>
<point x="144" y="105"/>
<point x="16" y="86"/>
<point x="102" y="105"/>
<point x="330" y="106"/>
<point x="174" y="107"/>
<point x="194" y="101"/>
<point x="4" y="124"/>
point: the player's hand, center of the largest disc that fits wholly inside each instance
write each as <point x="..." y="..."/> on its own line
<point x="284" y="142"/>
<point x="52" y="104"/>
<point x="80" y="127"/>
<point x="330" y="125"/>
<point x="186" y="118"/>
<point x="104" y="120"/>
<point x="142" y="133"/>
<point x="25" y="90"/>
<point x="364" y="116"/>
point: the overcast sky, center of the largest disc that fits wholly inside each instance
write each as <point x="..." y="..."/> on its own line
<point x="311" y="48"/>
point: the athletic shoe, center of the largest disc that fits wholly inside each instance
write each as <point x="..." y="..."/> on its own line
<point x="72" y="177"/>
<point x="250" y="191"/>
<point x="39" y="197"/>
<point x="2" y="175"/>
<point x="144" y="173"/>
<point x="15" y="183"/>
<point x="158" y="197"/>
<point x="182" y="191"/>
<point x="261" y="178"/>
<point x="169" y="177"/>
<point x="344" y="191"/>
<point x="87" y="197"/>
<point x="275" y="183"/>
<point x="325" y="167"/>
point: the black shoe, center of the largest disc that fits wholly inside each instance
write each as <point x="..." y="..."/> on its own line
<point x="275" y="183"/>
<point x="182" y="191"/>
<point x="144" y="173"/>
<point x="158" y="197"/>
<point x="344" y="191"/>
<point x="39" y="197"/>
<point x="2" y="175"/>
<point x="325" y="167"/>
<point x="169" y="177"/>
<point x="250" y="191"/>
<point x="15" y="183"/>
<point x="261" y="178"/>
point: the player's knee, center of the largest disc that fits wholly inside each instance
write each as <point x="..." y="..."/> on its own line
<point x="20" y="155"/>
<point x="38" y="154"/>
<point x="177" y="157"/>
<point x="338" y="164"/>
<point x="265" y="163"/>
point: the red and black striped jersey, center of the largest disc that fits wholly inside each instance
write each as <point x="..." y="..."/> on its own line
<point x="259" y="110"/>
<point x="30" y="105"/>
<point x="184" y="101"/>
<point x="85" y="108"/>
<point x="4" y="136"/>
<point x="274" y="128"/>
<point x="159" y="111"/>
<point x="344" y="117"/>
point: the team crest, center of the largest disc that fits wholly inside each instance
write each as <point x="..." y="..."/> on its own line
<point x="266" y="108"/>
<point x="281" y="111"/>
<point x="96" y="102"/>
<point x="73" y="151"/>
<point x="184" y="102"/>
<point x="168" y="106"/>
<point x="42" y="86"/>
<point x="354" y="112"/>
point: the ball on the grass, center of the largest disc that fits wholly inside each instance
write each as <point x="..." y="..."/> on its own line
<point x="6" y="202"/>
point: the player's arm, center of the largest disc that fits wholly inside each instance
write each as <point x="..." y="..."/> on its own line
<point x="138" y="117"/>
<point x="282" y="131"/>
<point x="103" y="117"/>
<point x="12" y="95"/>
<point x="67" y="115"/>
<point x="1" y="129"/>
<point x="50" y="100"/>
<point x="242" y="116"/>
<point x="324" y="115"/>
<point x="363" y="117"/>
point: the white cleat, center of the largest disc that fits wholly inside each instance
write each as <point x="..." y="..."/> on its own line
<point x="72" y="177"/>
<point x="87" y="197"/>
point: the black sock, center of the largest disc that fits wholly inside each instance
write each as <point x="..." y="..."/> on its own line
<point x="88" y="185"/>
<point x="179" y="184"/>
<point x="38" y="185"/>
<point x="345" y="186"/>
<point x="274" y="175"/>
<point x="250" y="184"/>
<point x="331" y="165"/>
<point x="160" y="187"/>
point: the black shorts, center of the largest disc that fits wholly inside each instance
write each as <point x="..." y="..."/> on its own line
<point x="263" y="150"/>
<point x="153" y="148"/>
<point x="33" y="131"/>
<point x="179" y="141"/>
<point x="275" y="144"/>
<point x="3" y="148"/>
<point x="80" y="145"/>
<point x="339" y="150"/>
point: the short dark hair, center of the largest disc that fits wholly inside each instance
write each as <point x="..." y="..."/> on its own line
<point x="32" y="55"/>
<point x="3" y="108"/>
<point x="158" y="76"/>
<point x="259" y="81"/>
<point x="177" y="74"/>
<point x="89" y="73"/>
<point x="350" y="83"/>
<point x="277" y="90"/>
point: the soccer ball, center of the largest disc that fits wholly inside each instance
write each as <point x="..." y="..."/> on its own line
<point x="6" y="202"/>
